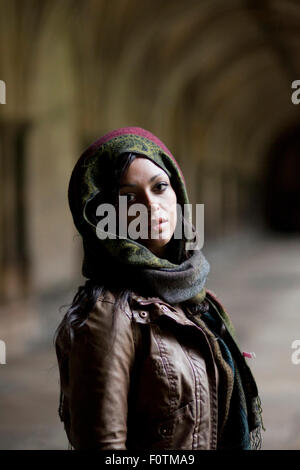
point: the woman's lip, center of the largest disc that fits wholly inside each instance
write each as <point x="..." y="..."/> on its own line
<point x="156" y="223"/>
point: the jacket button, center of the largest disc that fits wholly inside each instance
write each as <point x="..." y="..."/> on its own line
<point x="165" y="430"/>
<point x="143" y="314"/>
<point x="164" y="308"/>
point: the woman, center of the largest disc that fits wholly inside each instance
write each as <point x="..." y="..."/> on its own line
<point x="147" y="356"/>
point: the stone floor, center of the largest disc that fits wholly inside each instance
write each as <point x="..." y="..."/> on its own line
<point x="257" y="277"/>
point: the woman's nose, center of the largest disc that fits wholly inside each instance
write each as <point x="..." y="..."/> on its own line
<point x="151" y="202"/>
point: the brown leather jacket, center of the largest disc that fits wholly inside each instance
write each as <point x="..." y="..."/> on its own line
<point x="147" y="382"/>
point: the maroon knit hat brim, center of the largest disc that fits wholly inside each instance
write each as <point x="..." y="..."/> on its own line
<point x="134" y="131"/>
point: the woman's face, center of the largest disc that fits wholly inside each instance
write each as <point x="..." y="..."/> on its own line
<point x="146" y="183"/>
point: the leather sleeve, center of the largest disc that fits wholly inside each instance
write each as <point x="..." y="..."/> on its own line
<point x="100" y="363"/>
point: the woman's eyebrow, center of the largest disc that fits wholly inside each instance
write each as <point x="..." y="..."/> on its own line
<point x="150" y="180"/>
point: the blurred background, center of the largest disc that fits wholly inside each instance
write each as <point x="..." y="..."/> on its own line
<point x="212" y="79"/>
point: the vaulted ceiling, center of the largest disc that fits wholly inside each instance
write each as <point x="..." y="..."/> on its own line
<point x="212" y="78"/>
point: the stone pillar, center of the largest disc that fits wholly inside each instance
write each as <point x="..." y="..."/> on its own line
<point x="13" y="244"/>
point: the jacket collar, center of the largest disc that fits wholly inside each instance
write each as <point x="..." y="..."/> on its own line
<point x="160" y="307"/>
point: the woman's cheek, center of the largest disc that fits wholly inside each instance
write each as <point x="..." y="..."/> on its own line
<point x="173" y="204"/>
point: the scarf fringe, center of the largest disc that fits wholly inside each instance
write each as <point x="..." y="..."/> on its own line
<point x="255" y="435"/>
<point x="260" y="410"/>
<point x="256" y="439"/>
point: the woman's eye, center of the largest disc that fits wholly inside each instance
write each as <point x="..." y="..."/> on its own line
<point x="162" y="186"/>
